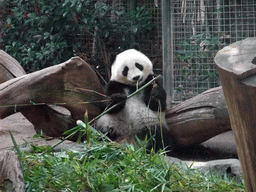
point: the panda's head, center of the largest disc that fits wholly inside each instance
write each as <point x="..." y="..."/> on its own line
<point x="130" y="67"/>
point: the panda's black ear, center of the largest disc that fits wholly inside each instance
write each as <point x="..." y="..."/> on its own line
<point x="112" y="58"/>
<point x="136" y="46"/>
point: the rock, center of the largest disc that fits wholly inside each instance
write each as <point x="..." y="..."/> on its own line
<point x="221" y="167"/>
<point x="11" y="177"/>
<point x="22" y="130"/>
<point x="222" y="146"/>
<point x="231" y="167"/>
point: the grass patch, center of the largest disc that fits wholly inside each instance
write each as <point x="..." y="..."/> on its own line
<point x="106" y="166"/>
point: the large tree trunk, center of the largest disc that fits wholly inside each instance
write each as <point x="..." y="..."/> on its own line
<point x="237" y="70"/>
<point x="71" y="85"/>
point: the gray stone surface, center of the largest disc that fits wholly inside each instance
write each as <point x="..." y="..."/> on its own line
<point x="231" y="167"/>
<point x="23" y="132"/>
<point x="222" y="146"/>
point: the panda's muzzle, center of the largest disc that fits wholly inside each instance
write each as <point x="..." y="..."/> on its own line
<point x="136" y="78"/>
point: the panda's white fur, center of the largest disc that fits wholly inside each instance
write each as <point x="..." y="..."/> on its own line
<point x="135" y="117"/>
<point x="130" y="120"/>
<point x="129" y="58"/>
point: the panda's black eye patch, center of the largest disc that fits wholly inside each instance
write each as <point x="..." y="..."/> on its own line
<point x="125" y="71"/>
<point x="139" y="66"/>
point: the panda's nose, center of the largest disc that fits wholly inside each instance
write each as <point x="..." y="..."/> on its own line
<point x="136" y="78"/>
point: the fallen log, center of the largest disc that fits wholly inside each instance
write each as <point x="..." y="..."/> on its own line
<point x="72" y="85"/>
<point x="60" y="119"/>
<point x="237" y="70"/>
<point x="199" y="118"/>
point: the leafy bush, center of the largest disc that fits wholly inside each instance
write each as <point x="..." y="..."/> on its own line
<point x="41" y="33"/>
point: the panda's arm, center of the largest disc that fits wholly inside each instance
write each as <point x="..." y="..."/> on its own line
<point x="158" y="94"/>
<point x="155" y="95"/>
<point x="115" y="91"/>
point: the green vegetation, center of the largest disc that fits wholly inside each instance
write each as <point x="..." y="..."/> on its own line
<point x="107" y="166"/>
<point x="43" y="33"/>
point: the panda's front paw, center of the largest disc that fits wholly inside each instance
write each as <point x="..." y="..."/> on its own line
<point x="118" y="97"/>
<point x="109" y="131"/>
<point x="155" y="94"/>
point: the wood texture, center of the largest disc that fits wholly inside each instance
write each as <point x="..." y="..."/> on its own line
<point x="67" y="84"/>
<point x="199" y="118"/>
<point x="238" y="76"/>
<point x="11" y="175"/>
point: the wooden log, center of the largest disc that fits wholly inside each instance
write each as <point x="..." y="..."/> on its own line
<point x="79" y="85"/>
<point x="71" y="83"/>
<point x="237" y="70"/>
<point x="9" y="67"/>
<point x="61" y="84"/>
<point x="51" y="120"/>
<point x="199" y="118"/>
<point x="60" y="119"/>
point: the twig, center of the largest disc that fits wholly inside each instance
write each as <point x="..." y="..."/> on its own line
<point x="70" y="135"/>
<point x="36" y="104"/>
<point x="89" y="90"/>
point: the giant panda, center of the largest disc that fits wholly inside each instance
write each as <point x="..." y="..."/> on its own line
<point x="142" y="114"/>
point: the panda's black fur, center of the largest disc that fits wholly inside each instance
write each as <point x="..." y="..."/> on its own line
<point x="151" y="99"/>
<point x="141" y="115"/>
